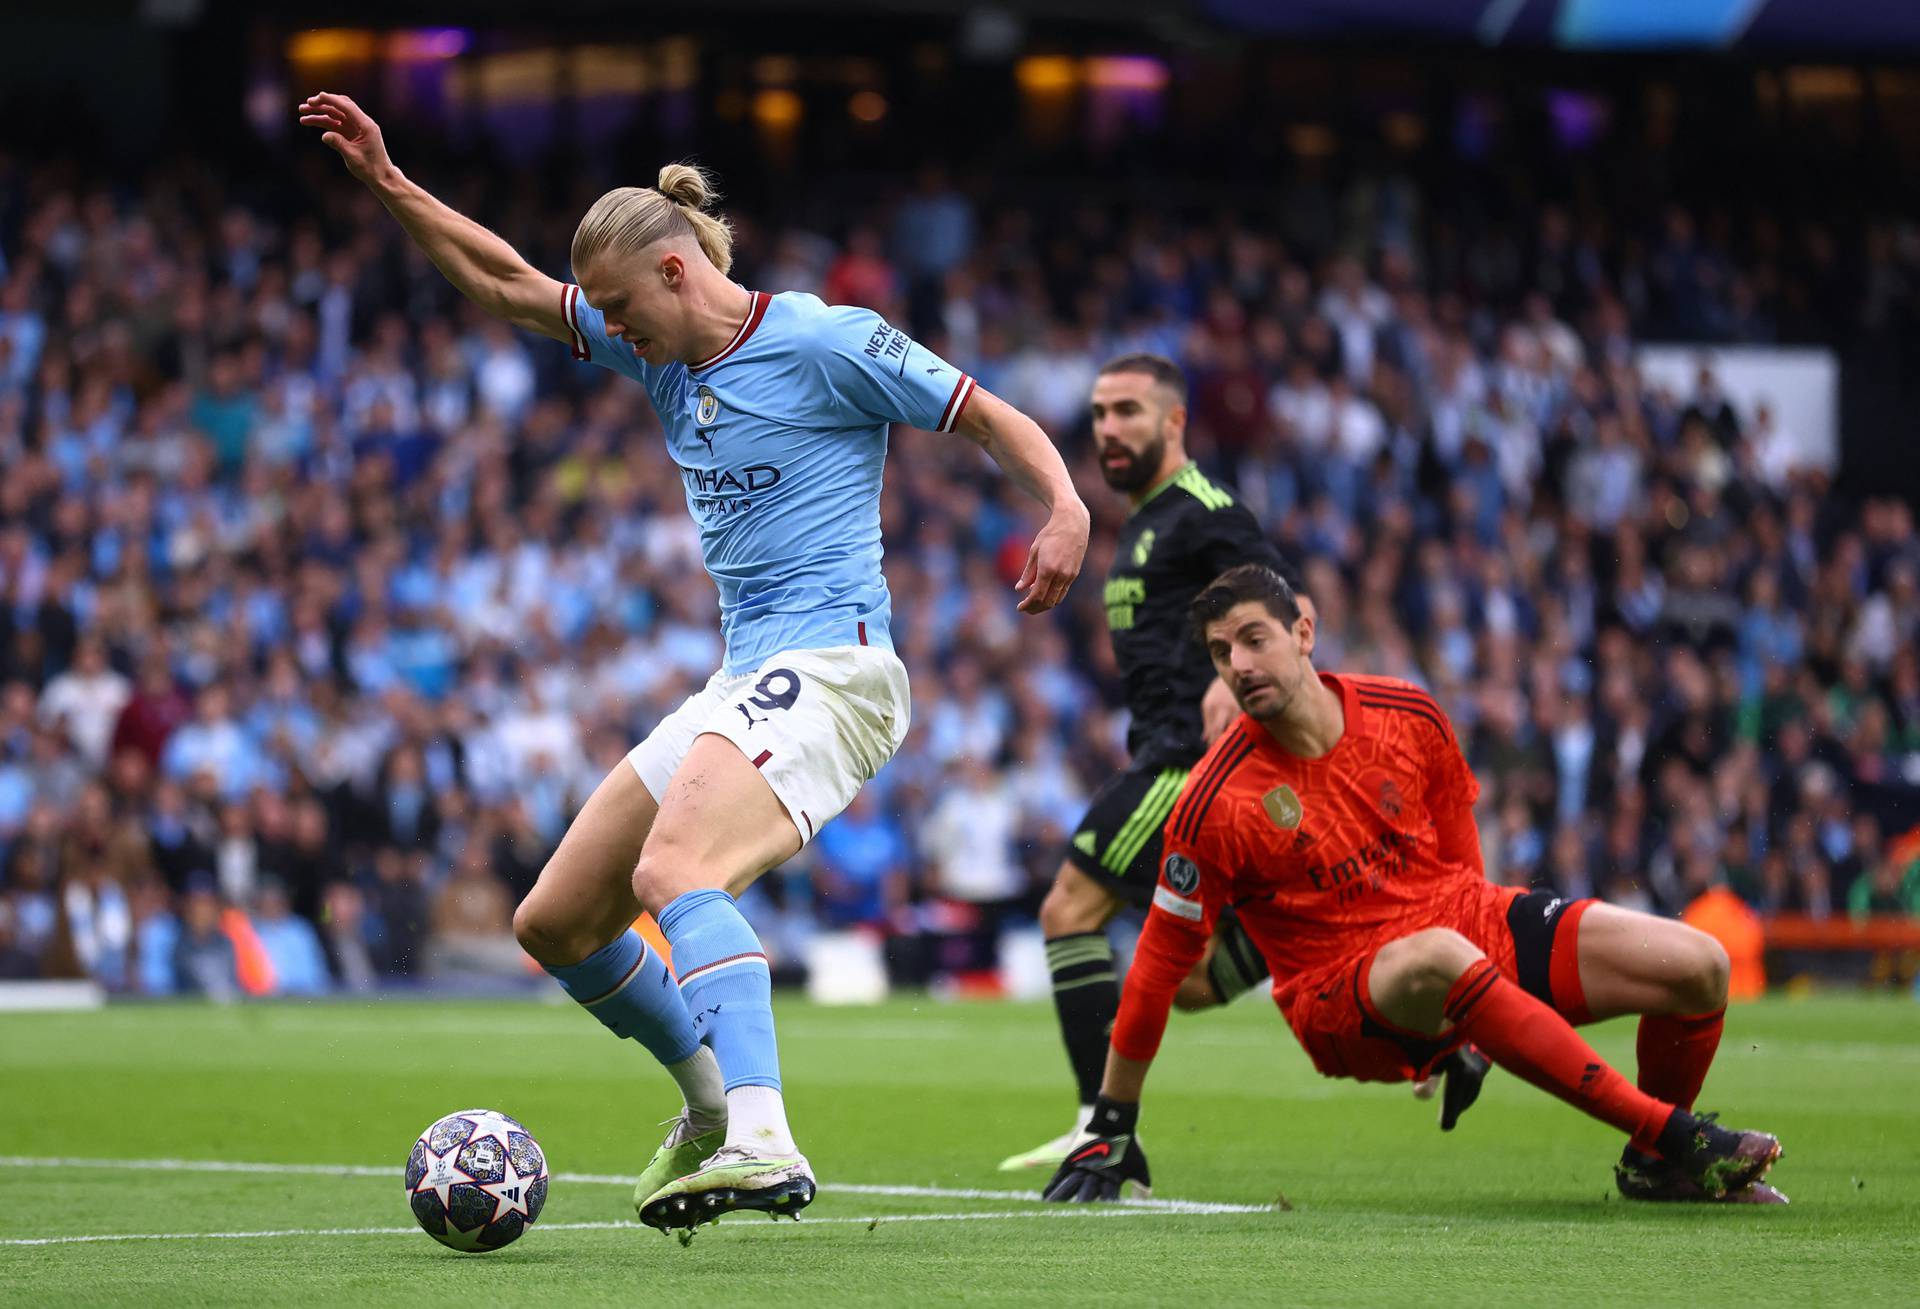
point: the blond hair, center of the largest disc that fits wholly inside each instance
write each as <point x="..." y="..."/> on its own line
<point x="628" y="219"/>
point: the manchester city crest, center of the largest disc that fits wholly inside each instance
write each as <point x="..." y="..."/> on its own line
<point x="708" y="408"/>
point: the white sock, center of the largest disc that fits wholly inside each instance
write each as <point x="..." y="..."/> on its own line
<point x="757" y="1119"/>
<point x="699" y="1078"/>
<point x="1081" y="1119"/>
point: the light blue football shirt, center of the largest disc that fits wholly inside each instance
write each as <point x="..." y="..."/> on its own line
<point x="780" y="440"/>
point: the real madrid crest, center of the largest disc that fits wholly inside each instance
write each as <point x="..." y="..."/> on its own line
<point x="1283" y="807"/>
<point x="708" y="408"/>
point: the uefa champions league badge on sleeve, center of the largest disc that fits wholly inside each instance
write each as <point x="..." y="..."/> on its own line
<point x="1183" y="876"/>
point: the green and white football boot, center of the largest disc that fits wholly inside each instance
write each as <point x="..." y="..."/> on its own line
<point x="734" y="1177"/>
<point x="681" y="1153"/>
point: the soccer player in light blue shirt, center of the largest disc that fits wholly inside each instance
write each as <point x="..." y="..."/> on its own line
<point x="776" y="410"/>
<point x="780" y="438"/>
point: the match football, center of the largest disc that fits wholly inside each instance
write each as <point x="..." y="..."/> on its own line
<point x="1225" y="652"/>
<point x="476" y="1180"/>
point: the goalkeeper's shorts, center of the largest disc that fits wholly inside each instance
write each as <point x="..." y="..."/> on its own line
<point x="1531" y="937"/>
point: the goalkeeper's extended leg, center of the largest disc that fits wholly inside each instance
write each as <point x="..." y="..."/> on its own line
<point x="1434" y="978"/>
<point x="1675" y="977"/>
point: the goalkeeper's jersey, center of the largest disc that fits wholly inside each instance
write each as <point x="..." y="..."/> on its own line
<point x="1320" y="859"/>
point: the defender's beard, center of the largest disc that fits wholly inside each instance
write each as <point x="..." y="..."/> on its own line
<point x="1136" y="474"/>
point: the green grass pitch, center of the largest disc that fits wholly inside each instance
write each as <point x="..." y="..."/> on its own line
<point x="1516" y="1207"/>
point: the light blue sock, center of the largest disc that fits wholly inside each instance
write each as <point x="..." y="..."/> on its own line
<point x="627" y="987"/>
<point x="726" y="986"/>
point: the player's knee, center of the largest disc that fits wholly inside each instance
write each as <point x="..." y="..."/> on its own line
<point x="654" y="884"/>
<point x="1068" y="910"/>
<point x="1054" y="913"/>
<point x="1429" y="962"/>
<point x="669" y="869"/>
<point x="1702" y="986"/>
<point x="547" y="936"/>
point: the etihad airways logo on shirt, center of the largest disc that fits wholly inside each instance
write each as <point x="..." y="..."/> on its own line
<point x="728" y="490"/>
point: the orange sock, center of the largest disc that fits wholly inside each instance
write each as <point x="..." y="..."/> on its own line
<point x="1675" y="1052"/>
<point x="1531" y="1041"/>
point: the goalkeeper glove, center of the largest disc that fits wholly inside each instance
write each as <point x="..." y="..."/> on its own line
<point x="1096" y="1169"/>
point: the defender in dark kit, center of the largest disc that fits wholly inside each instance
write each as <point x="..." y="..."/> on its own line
<point x="1183" y="532"/>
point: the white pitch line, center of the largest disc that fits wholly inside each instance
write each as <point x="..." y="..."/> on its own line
<point x="868" y="1220"/>
<point x="1033" y="1197"/>
<point x="605" y="1179"/>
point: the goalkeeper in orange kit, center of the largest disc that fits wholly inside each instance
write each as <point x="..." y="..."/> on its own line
<point x="1335" y="816"/>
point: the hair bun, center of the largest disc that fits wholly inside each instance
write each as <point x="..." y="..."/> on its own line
<point x="687" y="184"/>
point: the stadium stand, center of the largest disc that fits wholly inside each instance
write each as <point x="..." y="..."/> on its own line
<point x="324" y="601"/>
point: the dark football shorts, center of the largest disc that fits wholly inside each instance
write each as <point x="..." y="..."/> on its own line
<point x="1118" y="845"/>
<point x="1532" y="937"/>
<point x="1118" y="841"/>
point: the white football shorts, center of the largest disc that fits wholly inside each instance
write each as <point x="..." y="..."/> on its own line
<point x="818" y="724"/>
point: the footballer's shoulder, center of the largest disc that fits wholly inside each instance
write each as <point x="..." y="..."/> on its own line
<point x="805" y="304"/>
<point x="1202" y="491"/>
<point x="812" y="323"/>
<point x="1375" y="682"/>
<point x="804" y="309"/>
<point x="1222" y="767"/>
<point x="1394" y="695"/>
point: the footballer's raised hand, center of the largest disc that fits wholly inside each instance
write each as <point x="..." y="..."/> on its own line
<point x="480" y="265"/>
<point x="1097" y="1169"/>
<point x="1054" y="560"/>
<point x="347" y="127"/>
<point x="1016" y="443"/>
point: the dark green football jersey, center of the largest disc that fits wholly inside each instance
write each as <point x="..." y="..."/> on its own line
<point x="1186" y="532"/>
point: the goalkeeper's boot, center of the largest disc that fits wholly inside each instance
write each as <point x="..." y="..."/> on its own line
<point x="1054" y="1152"/>
<point x="684" y="1150"/>
<point x="735" y="1177"/>
<point x="1718" y="1161"/>
<point x="1649" y="1177"/>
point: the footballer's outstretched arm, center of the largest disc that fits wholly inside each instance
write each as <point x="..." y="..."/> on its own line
<point x="483" y="267"/>
<point x="1016" y="443"/>
<point x="1125" y="1078"/>
<point x="1173" y="941"/>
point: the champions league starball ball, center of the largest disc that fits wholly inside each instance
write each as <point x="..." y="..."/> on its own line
<point x="476" y="1180"/>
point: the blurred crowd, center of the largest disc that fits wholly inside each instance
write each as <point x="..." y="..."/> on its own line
<point x="325" y="601"/>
